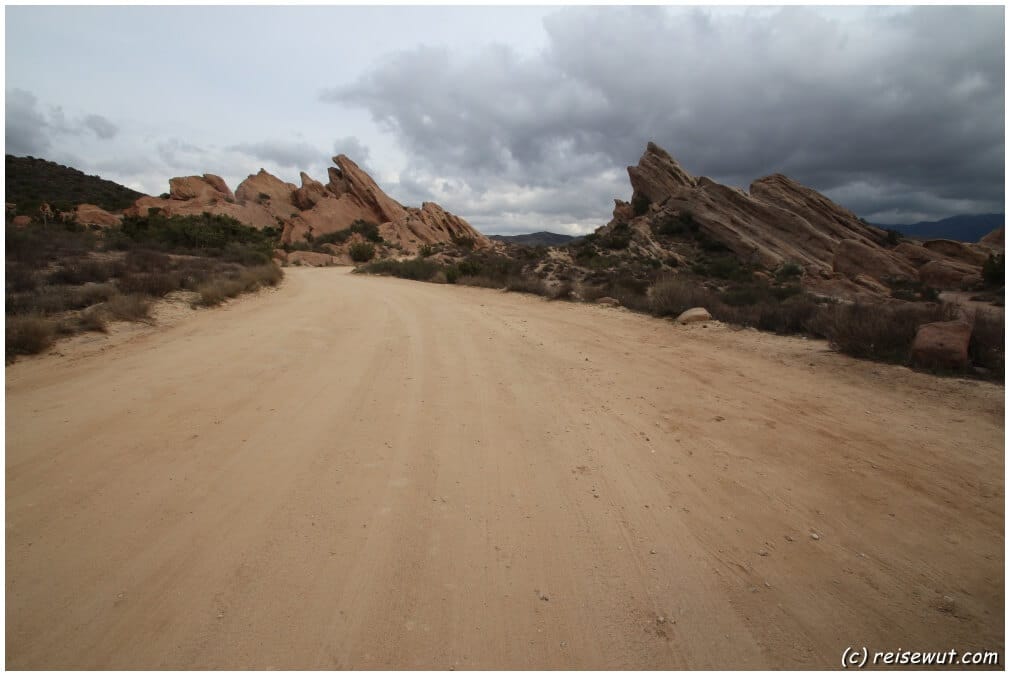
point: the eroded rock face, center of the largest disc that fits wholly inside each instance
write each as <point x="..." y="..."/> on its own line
<point x="311" y="259"/>
<point x="195" y="188"/>
<point x="949" y="275"/>
<point x="942" y="345"/>
<point x="956" y="250"/>
<point x="89" y="214"/>
<point x="854" y="258"/>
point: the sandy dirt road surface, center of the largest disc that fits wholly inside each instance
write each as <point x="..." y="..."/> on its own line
<point x="361" y="472"/>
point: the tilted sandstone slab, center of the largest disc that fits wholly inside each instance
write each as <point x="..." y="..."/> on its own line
<point x="90" y="214"/>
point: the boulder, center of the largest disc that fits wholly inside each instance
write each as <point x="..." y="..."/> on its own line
<point x="942" y="345"/>
<point x="695" y="314"/>
<point x="853" y="258"/>
<point x="607" y="300"/>
<point x="22" y="221"/>
<point x="280" y="255"/>
<point x="90" y="214"/>
<point x="950" y="275"/>
<point x="196" y="188"/>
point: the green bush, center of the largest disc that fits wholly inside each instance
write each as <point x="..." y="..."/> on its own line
<point x="362" y="251"/>
<point x="418" y="269"/>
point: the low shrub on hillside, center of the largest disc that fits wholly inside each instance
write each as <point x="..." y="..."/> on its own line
<point x="28" y="334"/>
<point x="881" y="332"/>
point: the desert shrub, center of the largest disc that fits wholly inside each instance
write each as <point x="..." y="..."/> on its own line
<point x="216" y="290"/>
<point x="451" y="274"/>
<point x="724" y="266"/>
<point x="366" y="229"/>
<point x="245" y="254"/>
<point x="207" y="233"/>
<point x="882" y="332"/>
<point x="92" y="319"/>
<point x="418" y="269"/>
<point x="83" y="271"/>
<point x="37" y="245"/>
<point x="987" y="342"/>
<point x="788" y="270"/>
<point x="478" y="280"/>
<point x="49" y="300"/>
<point x="672" y="295"/>
<point x="362" y="251"/>
<point x="21" y="277"/>
<point x="28" y="334"/>
<point x="130" y="308"/>
<point x="994" y="270"/>
<point x="425" y="251"/>
<point x="146" y="260"/>
<point x="672" y="225"/>
<point x="154" y="284"/>
<point x="462" y="241"/>
<point x="526" y="284"/>
<point x="619" y="237"/>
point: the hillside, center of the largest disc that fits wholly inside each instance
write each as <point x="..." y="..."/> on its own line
<point x="542" y="238"/>
<point x="965" y="228"/>
<point x="32" y="181"/>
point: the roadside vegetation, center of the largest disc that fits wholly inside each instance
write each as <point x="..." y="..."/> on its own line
<point x="63" y="279"/>
<point x="729" y="291"/>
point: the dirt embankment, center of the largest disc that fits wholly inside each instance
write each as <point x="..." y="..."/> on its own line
<point x="366" y="472"/>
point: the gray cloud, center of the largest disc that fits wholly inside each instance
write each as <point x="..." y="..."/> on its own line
<point x="25" y="132"/>
<point x="353" y="148"/>
<point x="292" y="154"/>
<point x="31" y="131"/>
<point x="892" y="113"/>
<point x="103" y="128"/>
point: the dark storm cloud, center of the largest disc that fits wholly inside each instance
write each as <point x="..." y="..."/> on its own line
<point x="293" y="154"/>
<point x="32" y="131"/>
<point x="896" y="112"/>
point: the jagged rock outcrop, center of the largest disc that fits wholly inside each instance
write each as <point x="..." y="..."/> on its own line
<point x="314" y="209"/>
<point x="309" y="194"/>
<point x="777" y="222"/>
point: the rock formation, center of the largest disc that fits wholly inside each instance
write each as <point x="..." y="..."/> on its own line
<point x="314" y="209"/>
<point x="778" y="222"/>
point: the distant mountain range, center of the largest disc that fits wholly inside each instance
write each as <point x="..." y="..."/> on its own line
<point x="967" y="228"/>
<point x="535" y="239"/>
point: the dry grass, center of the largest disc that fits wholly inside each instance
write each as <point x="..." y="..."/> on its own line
<point x="216" y="291"/>
<point x="28" y="334"/>
<point x="128" y="308"/>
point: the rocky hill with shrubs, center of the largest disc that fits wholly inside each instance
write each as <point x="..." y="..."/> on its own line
<point x="30" y="182"/>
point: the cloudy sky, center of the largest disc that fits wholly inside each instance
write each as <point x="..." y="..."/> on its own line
<point x="523" y="118"/>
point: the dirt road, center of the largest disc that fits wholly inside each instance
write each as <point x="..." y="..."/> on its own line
<point x="366" y="472"/>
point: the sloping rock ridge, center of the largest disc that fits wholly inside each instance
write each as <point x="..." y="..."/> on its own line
<point x="779" y="221"/>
